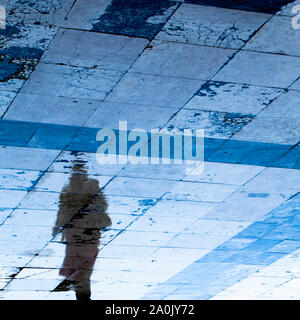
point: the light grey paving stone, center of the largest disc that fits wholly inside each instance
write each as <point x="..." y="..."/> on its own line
<point x="25" y="233"/>
<point x="195" y="191"/>
<point x="261" y="69"/>
<point x="161" y="224"/>
<point x="26" y="158"/>
<point x="128" y="205"/>
<point x="216" y="227"/>
<point x="277" y="178"/>
<point x="41" y="201"/>
<point x="215" y="124"/>
<point x="154" y="90"/>
<point x="174" y="60"/>
<point x="212" y="26"/>
<point x="25" y="285"/>
<point x="173" y="208"/>
<point x="82" y="16"/>
<point x="108" y="115"/>
<point x="155" y="239"/>
<point x="197" y="241"/>
<point x="91" y="49"/>
<point x="138" y="187"/>
<point x="60" y="110"/>
<point x="6" y="98"/>
<point x="37" y="12"/>
<point x="32" y="218"/>
<point x="215" y="172"/>
<point x="249" y="204"/>
<point x="276" y="36"/>
<point x="285" y="106"/>
<point x="18" y="179"/>
<point x="65" y="161"/>
<point x="55" y="181"/>
<point x="230" y="97"/>
<point x="296" y="85"/>
<point x="66" y="81"/>
<point x="271" y="130"/>
<point x="287" y="10"/>
<point x="11" y="198"/>
<point x="157" y="171"/>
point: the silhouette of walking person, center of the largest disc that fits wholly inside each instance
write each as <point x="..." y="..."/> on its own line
<point x="80" y="219"/>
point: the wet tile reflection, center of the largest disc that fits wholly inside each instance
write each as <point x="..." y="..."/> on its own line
<point x="80" y="219"/>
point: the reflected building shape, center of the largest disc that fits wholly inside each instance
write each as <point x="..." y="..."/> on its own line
<point x="80" y="219"/>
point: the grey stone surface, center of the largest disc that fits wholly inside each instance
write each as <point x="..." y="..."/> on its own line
<point x="90" y="49"/>
<point x="273" y="130"/>
<point x="51" y="109"/>
<point x="230" y="97"/>
<point x="154" y="90"/>
<point x="108" y="115"/>
<point x="276" y="36"/>
<point x="181" y="60"/>
<point x="261" y="69"/>
<point x="66" y="81"/>
<point x="215" y="124"/>
<point x="285" y="106"/>
<point x="211" y="26"/>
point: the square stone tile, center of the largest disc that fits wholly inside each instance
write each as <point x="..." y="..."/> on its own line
<point x="285" y="106"/>
<point x="216" y="227"/>
<point x="138" y="187"/>
<point x="55" y="181"/>
<point x="108" y="115"/>
<point x="60" y="110"/>
<point x="161" y="224"/>
<point x="173" y="208"/>
<point x="200" y="191"/>
<point x="105" y="51"/>
<point x="133" y="238"/>
<point x="261" y="69"/>
<point x="215" y="124"/>
<point x="226" y="173"/>
<point x="211" y="26"/>
<point x="41" y="201"/>
<point x="23" y="217"/>
<point x="154" y="90"/>
<point x="26" y="158"/>
<point x="35" y="13"/>
<point x="11" y="198"/>
<point x="277" y="178"/>
<point x="18" y="179"/>
<point x="134" y="18"/>
<point x="174" y="60"/>
<point x="231" y="97"/>
<point x="272" y="130"/>
<point x="66" y="81"/>
<point x="276" y="36"/>
<point x="197" y="241"/>
<point x="256" y="202"/>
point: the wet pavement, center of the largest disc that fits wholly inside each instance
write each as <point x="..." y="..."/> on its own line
<point x="72" y="228"/>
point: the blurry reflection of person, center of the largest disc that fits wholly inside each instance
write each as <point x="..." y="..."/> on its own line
<point x="81" y="217"/>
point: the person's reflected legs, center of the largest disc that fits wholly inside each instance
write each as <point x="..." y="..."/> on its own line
<point x="80" y="218"/>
